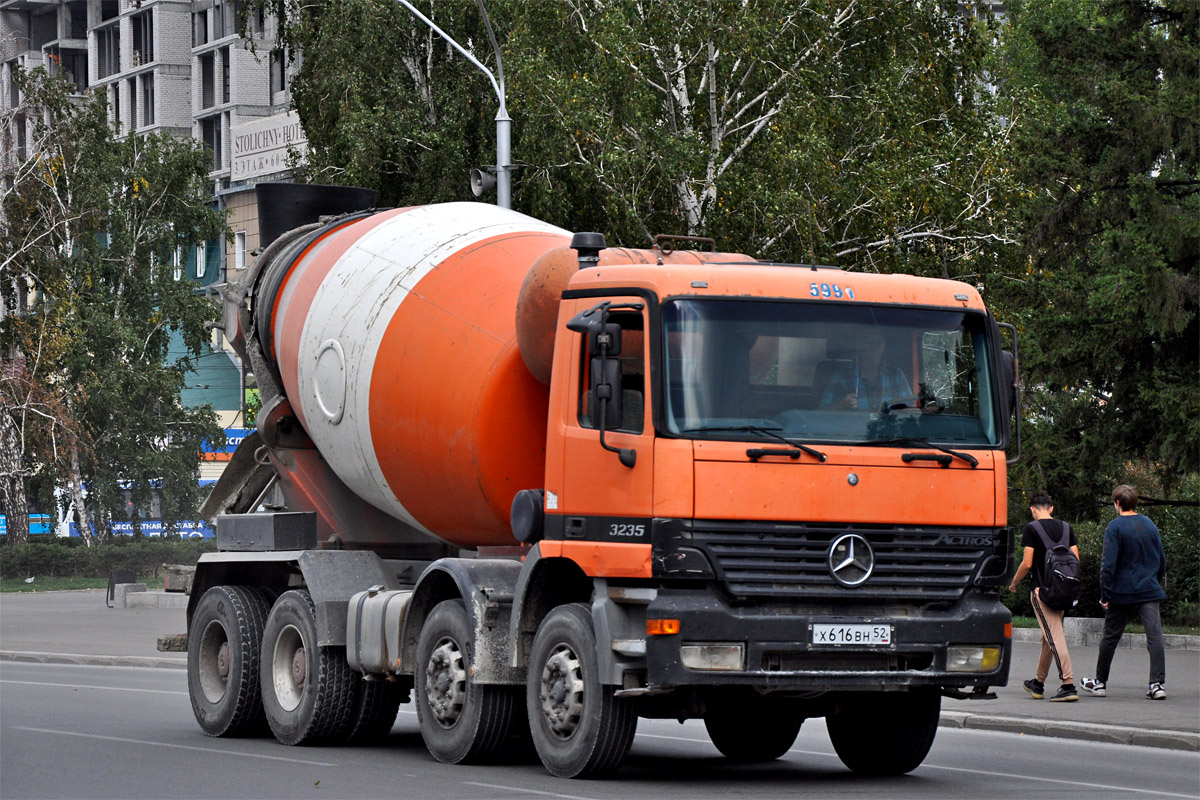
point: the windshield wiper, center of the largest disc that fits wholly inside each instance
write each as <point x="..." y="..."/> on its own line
<point x="913" y="441"/>
<point x="763" y="431"/>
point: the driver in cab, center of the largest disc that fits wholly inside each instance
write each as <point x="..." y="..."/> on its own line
<point x="865" y="381"/>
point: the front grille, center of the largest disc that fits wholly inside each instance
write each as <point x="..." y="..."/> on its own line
<point x="757" y="560"/>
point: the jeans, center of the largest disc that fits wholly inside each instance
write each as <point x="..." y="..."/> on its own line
<point x="1115" y="620"/>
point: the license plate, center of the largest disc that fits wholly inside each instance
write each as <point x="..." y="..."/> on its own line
<point x="852" y="634"/>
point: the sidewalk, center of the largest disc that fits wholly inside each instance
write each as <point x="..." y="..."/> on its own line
<point x="77" y="628"/>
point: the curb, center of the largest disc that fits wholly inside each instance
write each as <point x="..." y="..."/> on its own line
<point x="1084" y="637"/>
<point x="81" y="659"/>
<point x="1114" y="734"/>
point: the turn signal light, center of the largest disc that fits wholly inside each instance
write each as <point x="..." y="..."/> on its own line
<point x="661" y="627"/>
<point x="1008" y="630"/>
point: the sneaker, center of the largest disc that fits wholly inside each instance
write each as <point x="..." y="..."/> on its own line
<point x="1066" y="694"/>
<point x="1094" y="687"/>
<point x="1156" y="692"/>
<point x="1036" y="688"/>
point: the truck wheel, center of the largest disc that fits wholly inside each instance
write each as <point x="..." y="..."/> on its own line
<point x="885" y="733"/>
<point x="308" y="690"/>
<point x="223" y="650"/>
<point x="580" y="729"/>
<point x="375" y="707"/>
<point x="751" y="738"/>
<point x="462" y="722"/>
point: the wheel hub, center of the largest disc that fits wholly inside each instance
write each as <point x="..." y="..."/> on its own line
<point x="299" y="668"/>
<point x="223" y="661"/>
<point x="289" y="668"/>
<point x="446" y="683"/>
<point x="215" y="661"/>
<point x="561" y="692"/>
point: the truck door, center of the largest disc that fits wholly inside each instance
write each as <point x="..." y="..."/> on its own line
<point x="602" y="499"/>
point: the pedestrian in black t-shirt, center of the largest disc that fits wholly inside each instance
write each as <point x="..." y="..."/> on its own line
<point x="1054" y="642"/>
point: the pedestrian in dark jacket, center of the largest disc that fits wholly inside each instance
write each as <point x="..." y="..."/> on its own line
<point x="1131" y="573"/>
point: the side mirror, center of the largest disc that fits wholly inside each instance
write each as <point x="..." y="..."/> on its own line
<point x="605" y="385"/>
<point x="1008" y="374"/>
<point x="1010" y="365"/>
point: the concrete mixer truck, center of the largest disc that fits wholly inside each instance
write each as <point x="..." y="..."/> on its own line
<point x="542" y="487"/>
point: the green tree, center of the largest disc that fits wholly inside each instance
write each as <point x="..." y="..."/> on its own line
<point x="1106" y="96"/>
<point x="855" y="133"/>
<point x="88" y="236"/>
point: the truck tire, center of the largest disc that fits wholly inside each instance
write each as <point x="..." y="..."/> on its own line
<point x="223" y="661"/>
<point x="579" y="728"/>
<point x="307" y="690"/>
<point x="750" y="736"/>
<point x="885" y="733"/>
<point x="375" y="707"/>
<point x="461" y="722"/>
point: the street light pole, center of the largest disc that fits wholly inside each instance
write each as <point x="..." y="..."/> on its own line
<point x="503" y="121"/>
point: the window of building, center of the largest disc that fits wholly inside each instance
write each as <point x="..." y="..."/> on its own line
<point x="210" y="132"/>
<point x="207" y="77"/>
<point x="199" y="28"/>
<point x="108" y="50"/>
<point x="177" y="263"/>
<point x="22" y="141"/>
<point x="201" y="259"/>
<point x="109" y="9"/>
<point x="143" y="38"/>
<point x="114" y="93"/>
<point x="278" y="70"/>
<point x="75" y="67"/>
<point x="220" y="30"/>
<point x="148" y="99"/>
<point x="78" y="20"/>
<point x="239" y="250"/>
<point x="225" y="56"/>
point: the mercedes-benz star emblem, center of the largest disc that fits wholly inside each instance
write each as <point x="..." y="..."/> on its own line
<point x="851" y="559"/>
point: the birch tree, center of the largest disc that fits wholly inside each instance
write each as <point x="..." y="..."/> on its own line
<point x="88" y="234"/>
<point x="854" y="133"/>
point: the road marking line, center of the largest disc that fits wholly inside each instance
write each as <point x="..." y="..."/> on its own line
<point x="1011" y="777"/>
<point x="90" y="686"/>
<point x="525" y="791"/>
<point x="176" y="746"/>
<point x="927" y="765"/>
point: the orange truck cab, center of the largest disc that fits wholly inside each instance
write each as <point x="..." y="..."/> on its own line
<point x="809" y="471"/>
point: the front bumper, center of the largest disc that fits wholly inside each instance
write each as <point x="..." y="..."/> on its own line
<point x="780" y="655"/>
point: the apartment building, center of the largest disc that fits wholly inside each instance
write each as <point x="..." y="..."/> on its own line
<point x="176" y="66"/>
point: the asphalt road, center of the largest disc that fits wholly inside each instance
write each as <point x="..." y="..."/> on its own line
<point x="123" y="732"/>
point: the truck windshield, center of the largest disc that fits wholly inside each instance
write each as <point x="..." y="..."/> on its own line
<point x="828" y="372"/>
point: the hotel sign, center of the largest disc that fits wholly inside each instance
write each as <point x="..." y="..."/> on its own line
<point x="261" y="147"/>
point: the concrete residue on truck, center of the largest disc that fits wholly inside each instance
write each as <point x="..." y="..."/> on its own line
<point x="542" y="488"/>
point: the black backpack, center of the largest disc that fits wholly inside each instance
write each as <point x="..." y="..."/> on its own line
<point x="1062" y="582"/>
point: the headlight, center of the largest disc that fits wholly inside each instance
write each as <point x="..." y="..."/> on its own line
<point x="711" y="657"/>
<point x="972" y="658"/>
